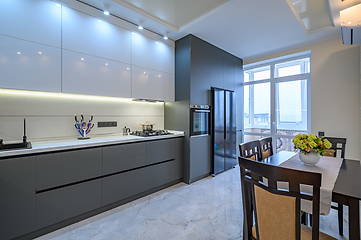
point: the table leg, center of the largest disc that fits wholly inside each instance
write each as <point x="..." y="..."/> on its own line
<point x="354" y="219"/>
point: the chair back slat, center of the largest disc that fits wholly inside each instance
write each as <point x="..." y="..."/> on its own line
<point x="266" y="147"/>
<point x="277" y="211"/>
<point x="251" y="149"/>
<point x="338" y="145"/>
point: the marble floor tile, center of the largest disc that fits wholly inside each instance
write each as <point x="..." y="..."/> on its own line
<point x="208" y="209"/>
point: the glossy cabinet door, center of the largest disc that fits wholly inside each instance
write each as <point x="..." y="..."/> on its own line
<point x="17" y="201"/>
<point x="122" y="186"/>
<point x="151" y="54"/>
<point x="86" y="34"/>
<point x="85" y="74"/>
<point x="36" y="20"/>
<point x="64" y="203"/>
<point x="28" y="65"/>
<point x="150" y="84"/>
<point x="71" y="167"/>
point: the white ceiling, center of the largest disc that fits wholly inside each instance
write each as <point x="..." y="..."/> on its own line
<point x="247" y="29"/>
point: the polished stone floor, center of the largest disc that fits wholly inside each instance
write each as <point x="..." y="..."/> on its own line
<point x="208" y="209"/>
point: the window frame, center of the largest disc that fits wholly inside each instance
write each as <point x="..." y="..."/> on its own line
<point x="273" y="80"/>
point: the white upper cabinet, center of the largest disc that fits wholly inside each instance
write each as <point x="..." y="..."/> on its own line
<point x="29" y="66"/>
<point x="149" y="53"/>
<point x="36" y="20"/>
<point x="85" y="34"/>
<point x="150" y="84"/>
<point x="85" y="74"/>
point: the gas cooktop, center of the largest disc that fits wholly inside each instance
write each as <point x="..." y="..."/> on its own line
<point x="150" y="133"/>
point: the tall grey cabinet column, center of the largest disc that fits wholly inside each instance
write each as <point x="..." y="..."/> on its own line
<point x="17" y="196"/>
<point x="198" y="67"/>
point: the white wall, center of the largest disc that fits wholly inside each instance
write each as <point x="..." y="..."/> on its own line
<point x="52" y="117"/>
<point x="335" y="94"/>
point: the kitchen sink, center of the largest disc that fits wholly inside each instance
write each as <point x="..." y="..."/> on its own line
<point x="15" y="146"/>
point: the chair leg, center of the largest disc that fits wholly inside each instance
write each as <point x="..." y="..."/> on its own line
<point x="340" y="219"/>
<point x="304" y="218"/>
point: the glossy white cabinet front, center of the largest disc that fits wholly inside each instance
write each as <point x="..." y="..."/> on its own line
<point x="29" y="66"/>
<point x="35" y="20"/>
<point x="149" y="53"/>
<point x="150" y="84"/>
<point x="85" y="74"/>
<point x="86" y="34"/>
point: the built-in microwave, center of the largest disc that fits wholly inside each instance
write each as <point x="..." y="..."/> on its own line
<point x="200" y="116"/>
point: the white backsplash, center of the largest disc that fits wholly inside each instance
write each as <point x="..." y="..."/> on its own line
<point x="52" y="117"/>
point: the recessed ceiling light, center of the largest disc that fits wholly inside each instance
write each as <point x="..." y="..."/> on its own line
<point x="144" y="72"/>
<point x="140" y="25"/>
<point x="106" y="64"/>
<point x="106" y="9"/>
<point x="19" y="53"/>
<point x="156" y="42"/>
<point x="99" y="21"/>
<point x="349" y="22"/>
<point x="82" y="59"/>
<point x="40" y="52"/>
<point x="58" y="5"/>
<point x="165" y="36"/>
<point x="127" y="68"/>
<point x="133" y="33"/>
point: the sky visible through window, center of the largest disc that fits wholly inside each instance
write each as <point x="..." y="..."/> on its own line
<point x="289" y="95"/>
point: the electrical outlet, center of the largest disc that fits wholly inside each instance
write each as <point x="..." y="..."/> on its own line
<point x="107" y="124"/>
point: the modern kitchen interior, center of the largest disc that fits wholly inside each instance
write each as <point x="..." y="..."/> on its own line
<point x="123" y="119"/>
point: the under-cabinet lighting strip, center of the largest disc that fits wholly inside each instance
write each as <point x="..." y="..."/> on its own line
<point x="70" y="96"/>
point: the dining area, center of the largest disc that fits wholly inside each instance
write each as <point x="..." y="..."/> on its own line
<point x="286" y="193"/>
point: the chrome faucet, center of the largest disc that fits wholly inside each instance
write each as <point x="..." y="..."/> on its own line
<point x="126" y="130"/>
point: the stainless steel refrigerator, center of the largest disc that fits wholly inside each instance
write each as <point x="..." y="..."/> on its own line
<point x="223" y="124"/>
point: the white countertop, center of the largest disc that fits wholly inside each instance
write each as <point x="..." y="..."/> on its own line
<point x="94" y="141"/>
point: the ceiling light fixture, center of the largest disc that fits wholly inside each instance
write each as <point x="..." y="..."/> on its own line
<point x="351" y="25"/>
<point x="106" y="9"/>
<point x="140" y="25"/>
<point x="165" y="36"/>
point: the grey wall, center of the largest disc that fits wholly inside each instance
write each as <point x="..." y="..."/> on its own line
<point x="198" y="67"/>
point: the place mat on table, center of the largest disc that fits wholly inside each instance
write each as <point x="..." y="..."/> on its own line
<point x="329" y="168"/>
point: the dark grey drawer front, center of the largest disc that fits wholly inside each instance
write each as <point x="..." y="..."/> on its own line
<point x="62" y="168"/>
<point x="17" y="196"/>
<point x="123" y="157"/>
<point x="179" y="157"/>
<point x="121" y="186"/>
<point x="158" y="151"/>
<point x="160" y="174"/>
<point x="122" y="151"/>
<point x="64" y="203"/>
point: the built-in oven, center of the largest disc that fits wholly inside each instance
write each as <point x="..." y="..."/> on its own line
<point x="200" y="116"/>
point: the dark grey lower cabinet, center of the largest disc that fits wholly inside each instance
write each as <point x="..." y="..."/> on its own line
<point x="124" y="185"/>
<point x="64" y="203"/>
<point x="160" y="174"/>
<point x="200" y="155"/>
<point x="17" y="196"/>
<point x="179" y="157"/>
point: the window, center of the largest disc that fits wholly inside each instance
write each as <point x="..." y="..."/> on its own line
<point x="276" y="99"/>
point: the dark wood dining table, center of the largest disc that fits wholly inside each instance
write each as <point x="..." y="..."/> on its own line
<point x="347" y="189"/>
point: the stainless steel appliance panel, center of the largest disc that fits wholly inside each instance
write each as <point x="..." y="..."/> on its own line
<point x="218" y="131"/>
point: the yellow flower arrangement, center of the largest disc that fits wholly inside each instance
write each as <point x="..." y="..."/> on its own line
<point x="307" y="142"/>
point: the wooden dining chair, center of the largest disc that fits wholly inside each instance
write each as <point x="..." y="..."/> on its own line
<point x="277" y="212"/>
<point x="338" y="146"/>
<point x="266" y="147"/>
<point x="251" y="150"/>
